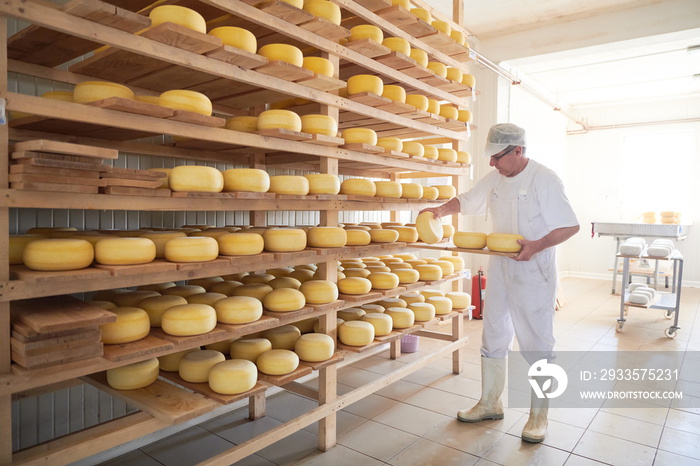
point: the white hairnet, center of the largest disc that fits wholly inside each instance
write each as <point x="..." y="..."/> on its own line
<point x="503" y="135"/>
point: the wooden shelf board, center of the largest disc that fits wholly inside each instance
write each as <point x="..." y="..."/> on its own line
<point x="397" y="15"/>
<point x="133" y="106"/>
<point x="156" y="266"/>
<point x="217" y="334"/>
<point x="280" y="380"/>
<point x="368" y="48"/>
<point x="58" y="313"/>
<point x="335" y="359"/>
<point x="450" y="247"/>
<point x="197" y="119"/>
<point x="204" y="389"/>
<point x="322" y="83"/>
<point x="369" y="99"/>
<point x="137" y="349"/>
<point x="183" y="38"/>
<point x="323" y="140"/>
<point x="284" y="70"/>
<point x="325" y="29"/>
<point x="237" y="330"/>
<point x="286" y="12"/>
<point x="285" y="134"/>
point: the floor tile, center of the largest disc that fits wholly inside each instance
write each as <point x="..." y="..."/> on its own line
<point x="371" y="406"/>
<point x="339" y="455"/>
<point x="559" y="435"/>
<point x="626" y="428"/>
<point x="377" y="440"/>
<point x="685" y="421"/>
<point x="356" y="377"/>
<point x="666" y="458"/>
<point x="439" y="401"/>
<point x="426" y="453"/>
<point x="291" y="448"/>
<point x="512" y="450"/>
<point x="607" y="449"/>
<point x="458" y="385"/>
<point x="399" y="390"/>
<point x="469" y="438"/>
<point x="133" y="458"/>
<point x="682" y="443"/>
<point x="652" y="415"/>
<point x="414" y="420"/>
<point x="179" y="448"/>
<point x="286" y="406"/>
<point x="345" y="422"/>
<point x="254" y="460"/>
<point x="575" y="460"/>
<point x="238" y="429"/>
<point x="425" y="376"/>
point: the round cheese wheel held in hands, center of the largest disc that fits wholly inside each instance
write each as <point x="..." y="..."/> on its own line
<point x="429" y="228"/>
<point x="504" y="242"/>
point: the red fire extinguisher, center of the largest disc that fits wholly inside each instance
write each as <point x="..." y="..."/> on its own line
<point x="478" y="292"/>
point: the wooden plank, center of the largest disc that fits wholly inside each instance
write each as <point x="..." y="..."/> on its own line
<point x="54" y="187"/>
<point x="285" y="134"/>
<point x="43" y="179"/>
<point x="130" y="182"/>
<point x="397" y="60"/>
<point x="70" y="158"/>
<point x="323" y="140"/>
<point x="366" y="148"/>
<point x="335" y="359"/>
<point x="238" y="330"/>
<point x="285" y="12"/>
<point x="397" y="15"/>
<point x="418" y="72"/>
<point x="322" y="83"/>
<point x="162" y="400"/>
<point x="37" y="170"/>
<point x="418" y="29"/>
<point x="30" y="348"/>
<point x="368" y="48"/>
<point x="60" y="164"/>
<point x="117" y="65"/>
<point x="284" y="70"/>
<point x="374" y="5"/>
<point x="129" y="191"/>
<point x="326" y="29"/>
<point x="133" y="106"/>
<point x="157" y="266"/>
<point x="215" y="335"/>
<point x="183" y="38"/>
<point x="58" y="313"/>
<point x="118" y="172"/>
<point x="352" y="299"/>
<point x="367" y="98"/>
<point x="238" y="57"/>
<point x="25" y="334"/>
<point x="280" y="380"/>
<point x="55" y="358"/>
<point x="57" y="147"/>
<point x="136" y="349"/>
<point x="204" y="389"/>
<point x="197" y="119"/>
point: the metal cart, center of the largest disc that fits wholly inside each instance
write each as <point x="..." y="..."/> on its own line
<point x="669" y="302"/>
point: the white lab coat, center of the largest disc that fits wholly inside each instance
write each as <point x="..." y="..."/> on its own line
<point x="520" y="296"/>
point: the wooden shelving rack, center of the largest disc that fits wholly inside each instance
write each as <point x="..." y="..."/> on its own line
<point x="167" y="58"/>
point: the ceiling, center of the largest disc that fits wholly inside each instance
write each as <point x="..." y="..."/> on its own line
<point x="593" y="52"/>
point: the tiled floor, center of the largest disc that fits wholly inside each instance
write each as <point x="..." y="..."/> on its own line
<point x="412" y="422"/>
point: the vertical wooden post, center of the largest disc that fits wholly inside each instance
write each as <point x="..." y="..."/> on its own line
<point x="258" y="218"/>
<point x="393" y="215"/>
<point x="457" y="333"/>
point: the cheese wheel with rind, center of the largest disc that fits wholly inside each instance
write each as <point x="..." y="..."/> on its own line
<point x="92" y="91"/>
<point x="189" y="101"/>
<point x="284" y="239"/>
<point x="283" y="337"/>
<point x="250" y="180"/>
<point x="182" y="16"/>
<point x="249" y="348"/>
<point x="160" y="238"/>
<point x="314" y="347"/>
<point x="460" y="299"/>
<point x="188" y="320"/>
<point x="429" y="272"/>
<point x="58" y="254"/>
<point x="357" y="238"/>
<point x="469" y="240"/>
<point x="423" y="312"/>
<point x="356" y="333"/>
<point x="443" y="304"/>
<point x="284" y="300"/>
<point x="382" y="323"/>
<point x="326" y="237"/>
<point x="504" y="242"/>
<point x="195" y="178"/>
<point x="289" y="184"/>
<point x="236" y="37"/>
<point x="319" y="291"/>
<point x="282" y="52"/>
<point x="155" y="306"/>
<point x="171" y="362"/>
<point x="429" y="228"/>
<point x="323" y="183"/>
<point x="390" y="189"/>
<point x="401" y="316"/>
<point x="366" y="31"/>
<point x="125" y="251"/>
<point x="238" y="310"/>
<point x="209" y="298"/>
<point x="359" y="186"/>
<point x="384" y="280"/>
<point x="240" y="244"/>
<point x="191" y="249"/>
<point x="384" y="236"/>
<point x="277" y="362"/>
<point x="233" y="376"/>
<point x="132" y="324"/>
<point x="354" y="285"/>
<point x="133" y="376"/>
<point x="16" y="247"/>
<point x="183" y="290"/>
<point x="195" y="366"/>
<point x="457" y="262"/>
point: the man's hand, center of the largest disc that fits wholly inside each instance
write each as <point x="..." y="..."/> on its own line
<point x="558" y="236"/>
<point x="530" y="248"/>
<point x="434" y="210"/>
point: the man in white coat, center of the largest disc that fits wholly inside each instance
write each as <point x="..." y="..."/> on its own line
<point x="522" y="197"/>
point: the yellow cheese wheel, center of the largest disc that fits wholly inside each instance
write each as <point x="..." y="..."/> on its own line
<point x="414" y="262"/>
<point x="220" y="346"/>
<point x="366" y="31"/>
<point x="253" y="290"/>
<point x="458" y="36"/>
<point x="246" y="180"/>
<point x="412" y="297"/>
<point x="429" y="228"/>
<point x="189" y="101"/>
<point x="289" y="184"/>
<point x="283" y="337"/>
<point x="233" y="376"/>
<point x="423" y="14"/>
<point x="460" y="299"/>
<point x="64" y="96"/>
<point x="354" y="272"/>
<point x="183" y="290"/>
<point x="469" y="80"/>
<point x="319" y="124"/>
<point x="382" y="323"/>
<point x="326" y="237"/>
<point x="423" y="312"/>
<point x="457" y="262"/>
<point x="406" y="234"/>
<point x="226" y="287"/>
<point x="284" y="300"/>
<point x="188" y="178"/>
<point x="450" y="112"/>
<point x="245" y="124"/>
<point x="442" y="26"/>
<point x="188" y="320"/>
<point x="302" y="275"/>
<point x="196" y="365"/>
<point x="359" y="186"/>
<point x="324" y="9"/>
<point x="185" y="17"/>
<point x="238" y="310"/>
<point x="356" y="333"/>
<point x="155" y="306"/>
<point x="446" y="191"/>
<point x="430" y="292"/>
<point x="390" y="143"/>
<point x="420" y="56"/>
<point x="249" y="348"/>
<point x="395" y="93"/>
<point x="377" y="268"/>
<point x="236" y="37"/>
<point x="411" y="190"/>
<point x="132" y="324"/>
<point x="133" y="376"/>
<point x="430" y="193"/>
<point x="430" y="152"/>
<point x="402" y="317"/>
<point x="465" y="116"/>
<point x="414" y="149"/>
<point x="284" y="239"/>
<point x="404" y="256"/>
<point x="389" y="189"/>
<point x="314" y="347"/>
<point x="240" y="244"/>
<point x="277" y="362"/>
<point x="191" y="249"/>
<point x="360" y="136"/>
<point x="132" y="298"/>
<point x="384" y="280"/>
<point x="354" y="285"/>
<point x="433" y="106"/>
<point x="447" y="267"/>
<point x="285" y="282"/>
<point x="54" y="254"/>
<point x="454" y="74"/>
<point x="295" y="3"/>
<point x="205" y="282"/>
<point x="92" y="91"/>
<point x="209" y="298"/>
<point x="421" y="103"/>
<point x="503" y="242"/>
<point x="372" y="308"/>
<point x="323" y="183"/>
<point x="463" y="157"/>
<point x="171" y="362"/>
<point x="362" y="83"/>
<point x="384" y="236"/>
<point x="429" y="272"/>
<point x="469" y="240"/>
<point x="319" y="291"/>
<point x="319" y="65"/>
<point x="279" y="119"/>
<point x="443" y="304"/>
<point x="16" y="247"/>
<point x="407" y="276"/>
<point x="351" y="313"/>
<point x="397" y="44"/>
<point x="399" y="265"/>
<point x="447" y="155"/>
<point x="440" y="69"/>
<point x="282" y="52"/>
<point x="125" y="251"/>
<point x="160" y="238"/>
<point x="386" y="303"/>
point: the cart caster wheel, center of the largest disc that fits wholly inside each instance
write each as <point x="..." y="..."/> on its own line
<point x="670" y="332"/>
<point x="619" y="326"/>
<point x="668" y="314"/>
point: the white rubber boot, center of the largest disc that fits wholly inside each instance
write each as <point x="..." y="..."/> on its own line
<point x="536" y="426"/>
<point x="493" y="380"/>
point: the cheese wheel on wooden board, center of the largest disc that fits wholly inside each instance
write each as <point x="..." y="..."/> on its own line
<point x="16" y="247"/>
<point x="469" y="240"/>
<point x="233" y="376"/>
<point x="357" y="237"/>
<point x="196" y="178"/>
<point x="253" y="290"/>
<point x="384" y="280"/>
<point x="326" y="237"/>
<point x="386" y="303"/>
<point x="457" y="262"/>
<point x="401" y="316"/>
<point x="209" y="298"/>
<point x="58" y="254"/>
<point x="429" y="272"/>
<point x="92" y="91"/>
<point x="250" y="180"/>
<point x="406" y="234"/>
<point x="205" y="282"/>
<point x="132" y="324"/>
<point x="353" y="273"/>
<point x="283" y="337"/>
<point x="358" y="186"/>
<point x="191" y="249"/>
<point x="460" y="300"/>
<point x="226" y="287"/>
<point x="389" y="189"/>
<point x="103" y="304"/>
<point x="407" y="276"/>
<point x="411" y="190"/>
<point x="412" y="298"/>
<point x="503" y="242"/>
<point x="319" y="291"/>
<point x="289" y="184"/>
<point x="365" y="83"/>
<point x="285" y="282"/>
<point x="277" y="362"/>
<point x="443" y="304"/>
<point x="430" y="193"/>
<point x="284" y="239"/>
<point x="302" y="275"/>
<point x="423" y="312"/>
<point x="323" y="183"/>
<point x="220" y="346"/>
<point x="171" y="362"/>
<point x="351" y="313"/>
<point x="319" y="65"/>
<point x="394" y="92"/>
<point x="133" y="376"/>
<point x="240" y="244"/>
<point x="314" y="347"/>
<point x="160" y="238"/>
<point x="195" y="366"/>
<point x="366" y="31"/>
<point x="429" y="228"/>
<point x="155" y="306"/>
<point x="360" y="136"/>
<point x="430" y="292"/>
<point x="257" y="278"/>
<point x="405" y="256"/>
<point x="372" y="307"/>
<point x="183" y="290"/>
<point x="188" y="320"/>
<point x="355" y="285"/>
<point x="446" y="191"/>
<point x="125" y="251"/>
<point x="238" y="310"/>
<point x="158" y="287"/>
<point x="356" y="333"/>
<point x="319" y="124"/>
<point x="447" y="267"/>
<point x="384" y="236"/>
<point x="282" y="52"/>
<point x="236" y="37"/>
<point x="284" y="300"/>
<point x="377" y="268"/>
<point x="397" y="44"/>
<point x="448" y="231"/>
<point x="382" y="323"/>
<point x="182" y="16"/>
<point x="249" y="348"/>
<point x="305" y="325"/>
<point x="189" y="101"/>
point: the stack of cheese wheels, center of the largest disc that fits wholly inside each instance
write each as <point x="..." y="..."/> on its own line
<point x="125" y="251"/>
<point x="284" y="300"/>
<point x="246" y="180"/>
<point x="182" y="16"/>
<point x="240" y="244"/>
<point x="384" y="280"/>
<point x="323" y="183"/>
<point x="57" y="254"/>
<point x="191" y="249"/>
<point x="429" y="272"/>
<point x="356" y="333"/>
<point x="188" y="319"/>
<point x="469" y="240"/>
<point x="160" y="238"/>
<point x="365" y="83"/>
<point x="357" y="237"/>
<point x="429" y="228"/>
<point x="402" y="317"/>
<point x="277" y="362"/>
<point x="196" y="178"/>
<point x="423" y="312"/>
<point x="383" y="235"/>
<point x="354" y="285"/>
<point x="171" y="362"/>
<point x="195" y="365"/>
<point x="391" y="189"/>
<point x="233" y="376"/>
<point x="319" y="291"/>
<point x="366" y="32"/>
<point x="282" y="52"/>
<point x="649" y="217"/>
<point x="314" y="347"/>
<point x="360" y="136"/>
<point x="188" y="101"/>
<point x="132" y="324"/>
<point x="326" y="237"/>
<point x="284" y="239"/>
<point x="249" y="348"/>
<point x="155" y="306"/>
<point x="236" y="37"/>
<point x="443" y="304"/>
<point x="283" y="337"/>
<point x="289" y="184"/>
<point x="319" y="124"/>
<point x="382" y="323"/>
<point x="503" y="242"/>
<point x="133" y="376"/>
<point x="351" y="313"/>
<point x="93" y="91"/>
<point x="359" y="186"/>
<point x="460" y="300"/>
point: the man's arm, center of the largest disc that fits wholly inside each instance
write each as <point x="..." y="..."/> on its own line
<point x="448" y="208"/>
<point x="558" y="236"/>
